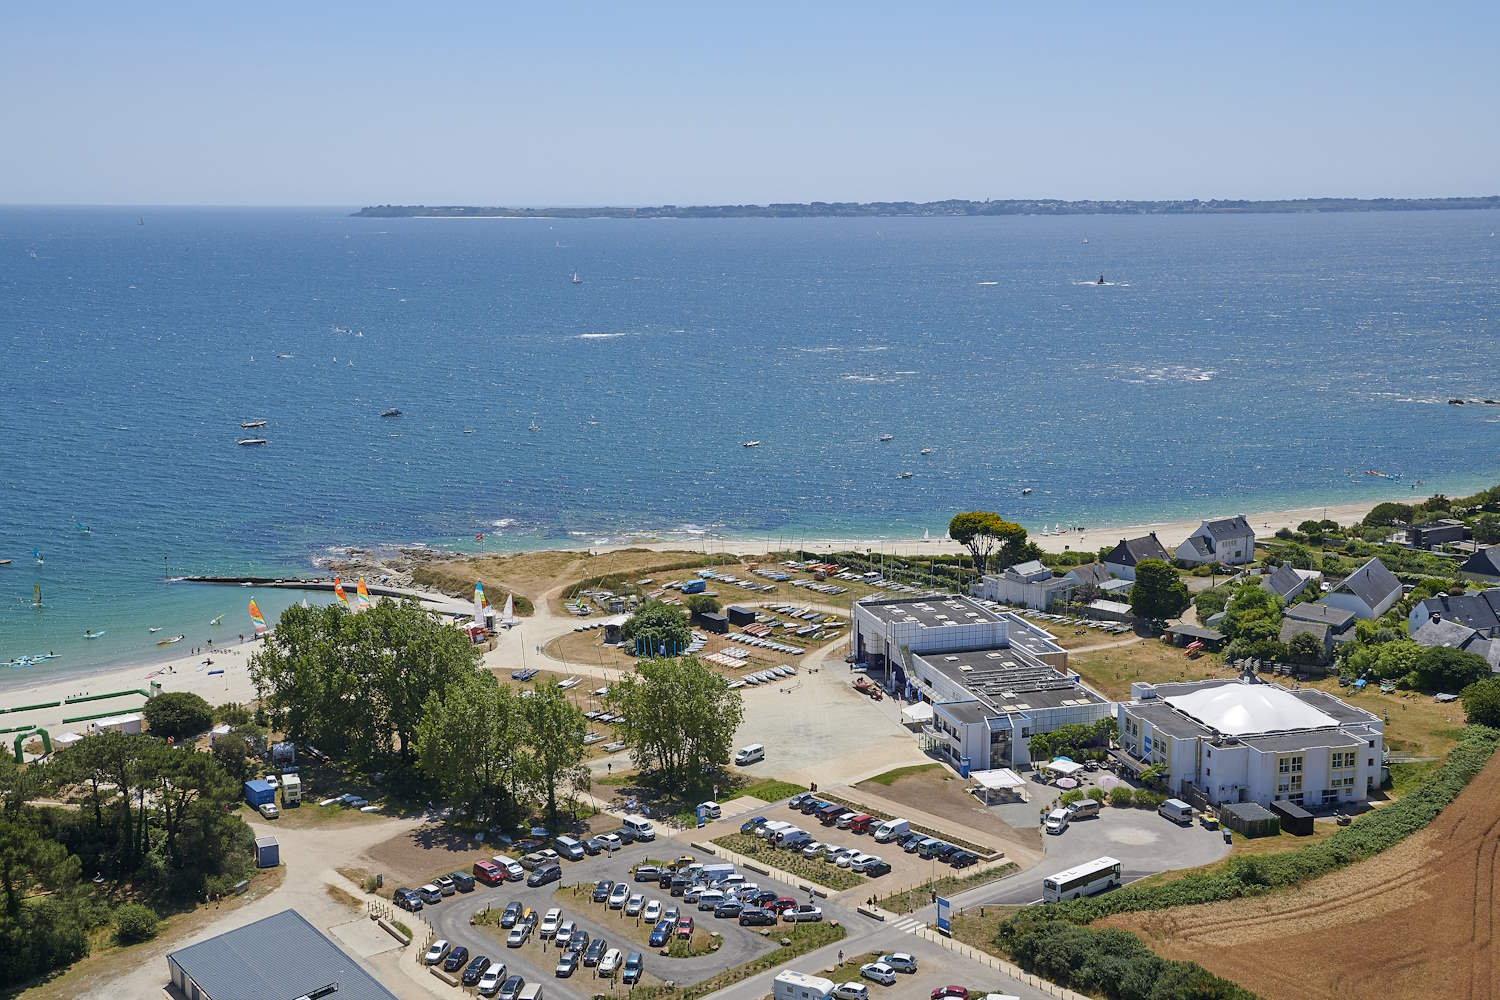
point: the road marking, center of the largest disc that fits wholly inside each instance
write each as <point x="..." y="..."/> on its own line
<point x="909" y="925"/>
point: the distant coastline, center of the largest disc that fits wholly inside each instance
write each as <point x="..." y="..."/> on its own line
<point x="938" y="209"/>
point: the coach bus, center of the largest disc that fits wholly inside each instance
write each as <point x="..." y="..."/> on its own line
<point x="1084" y="880"/>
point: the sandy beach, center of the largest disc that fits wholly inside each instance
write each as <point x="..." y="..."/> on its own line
<point x="190" y="672"/>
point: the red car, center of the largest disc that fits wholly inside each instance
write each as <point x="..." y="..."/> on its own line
<point x="488" y="872"/>
<point x="685" y="927"/>
<point x="783" y="903"/>
<point x="950" y="991"/>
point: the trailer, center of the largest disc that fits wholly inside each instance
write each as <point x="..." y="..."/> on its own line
<point x="291" y="790"/>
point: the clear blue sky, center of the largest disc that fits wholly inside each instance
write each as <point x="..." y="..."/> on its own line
<point x="569" y="103"/>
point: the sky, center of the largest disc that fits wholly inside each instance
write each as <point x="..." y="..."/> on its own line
<point x="567" y="103"/>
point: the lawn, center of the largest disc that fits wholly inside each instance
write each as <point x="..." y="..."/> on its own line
<point x="916" y="897"/>
<point x="895" y="775"/>
<point x="1414" y="723"/>
<point x="820" y="872"/>
<point x="767" y="790"/>
<point x="800" y="939"/>
<point x="976" y="927"/>
<point x="1111" y="671"/>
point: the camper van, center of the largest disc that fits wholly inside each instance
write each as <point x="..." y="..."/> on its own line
<point x="291" y="790"/>
<point x="749" y="755"/>
<point x="800" y="986"/>
<point x="1084" y="809"/>
<point x="1177" y="811"/>
<point x="1057" y="821"/>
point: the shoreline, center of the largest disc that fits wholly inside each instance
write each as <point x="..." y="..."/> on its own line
<point x="189" y="672"/>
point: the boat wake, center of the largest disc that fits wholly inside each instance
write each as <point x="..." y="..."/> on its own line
<point x="600" y="336"/>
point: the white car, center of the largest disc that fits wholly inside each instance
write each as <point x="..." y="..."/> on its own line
<point x="899" y="961"/>
<point x="273" y="781"/>
<point x="269" y="810"/>
<point x="618" y="895"/>
<point x="437" y="952"/>
<point x="864" y="862"/>
<point x="611" y="962"/>
<point x="564" y="933"/>
<point x="851" y="991"/>
<point x="634" y="904"/>
<point x="814" y="849"/>
<point x="711" y="810"/>
<point x="878" y="972"/>
<point x="652" y="912"/>
<point x="489" y="983"/>
<point x="550" y="920"/>
<point x="611" y="842"/>
<point x="845" y="859"/>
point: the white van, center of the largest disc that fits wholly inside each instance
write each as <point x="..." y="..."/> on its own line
<point x="1084" y="809"/>
<point x="640" y="826"/>
<point x="1177" y="811"/>
<point x="1057" y="821"/>
<point x="531" y="991"/>
<point x="749" y="755"/>
<point x="511" y="868"/>
<point x="891" y="829"/>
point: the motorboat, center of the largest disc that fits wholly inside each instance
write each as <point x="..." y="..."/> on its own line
<point x="752" y="444"/>
<point x="251" y="424"/>
<point x="904" y="475"/>
<point x="250" y="442"/>
<point x="392" y="412"/>
<point x="887" y="437"/>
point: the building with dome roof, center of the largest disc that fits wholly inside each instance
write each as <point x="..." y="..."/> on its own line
<point x="1245" y="741"/>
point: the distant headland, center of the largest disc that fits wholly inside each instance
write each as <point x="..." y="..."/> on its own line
<point x="951" y="207"/>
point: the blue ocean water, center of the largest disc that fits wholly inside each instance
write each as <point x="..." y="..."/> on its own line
<point x="1228" y="363"/>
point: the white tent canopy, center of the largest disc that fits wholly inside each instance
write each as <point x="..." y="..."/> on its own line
<point x="918" y="712"/>
<point x="998" y="779"/>
<point x="1064" y="768"/>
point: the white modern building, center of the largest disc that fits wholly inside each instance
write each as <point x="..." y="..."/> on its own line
<point x="1028" y="584"/>
<point x="1227" y="540"/>
<point x="1236" y="741"/>
<point x="887" y="632"/>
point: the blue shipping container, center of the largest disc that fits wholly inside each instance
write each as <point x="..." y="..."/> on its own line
<point x="259" y="792"/>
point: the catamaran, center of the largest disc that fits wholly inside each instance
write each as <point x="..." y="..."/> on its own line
<point x="214" y="622"/>
<point x="171" y="639"/>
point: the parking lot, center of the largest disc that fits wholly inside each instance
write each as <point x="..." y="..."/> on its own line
<point x="536" y="959"/>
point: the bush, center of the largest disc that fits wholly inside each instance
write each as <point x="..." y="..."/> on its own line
<point x="1097" y="794"/>
<point x="177" y="715"/>
<point x="233" y="713"/>
<point x="1121" y="796"/>
<point x="1071" y="796"/>
<point x="1145" y="798"/>
<point x="1482" y="702"/>
<point x="701" y="603"/>
<point x="134" y="923"/>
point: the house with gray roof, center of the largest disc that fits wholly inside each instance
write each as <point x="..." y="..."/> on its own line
<point x="1286" y="582"/>
<point x="1330" y="626"/>
<point x="1121" y="560"/>
<point x="1483" y="565"/>
<point x="1369" y="591"/>
<point x="1027" y="584"/>
<point x="1226" y="540"/>
<point x="280" y="957"/>
<point x="1441" y="632"/>
<point x="1480" y="612"/>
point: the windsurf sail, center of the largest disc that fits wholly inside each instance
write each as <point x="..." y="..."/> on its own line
<point x="509" y="614"/>
<point x="36" y="594"/>
<point x="362" y="595"/>
<point x="256" y="617"/>
<point x="338" y="591"/>
<point x="37" y="555"/>
<point x="479" y="602"/>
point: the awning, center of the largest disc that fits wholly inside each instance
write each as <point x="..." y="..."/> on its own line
<point x="998" y="779"/>
<point x="1063" y="767"/>
<point x="919" y="712"/>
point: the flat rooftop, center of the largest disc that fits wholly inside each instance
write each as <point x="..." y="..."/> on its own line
<point x="1009" y="680"/>
<point x="1335" y="739"/>
<point x="1337" y="707"/>
<point x="932" y="612"/>
<point x="1164" y="718"/>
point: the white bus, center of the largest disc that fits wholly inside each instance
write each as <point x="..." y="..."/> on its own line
<point x="1084" y="880"/>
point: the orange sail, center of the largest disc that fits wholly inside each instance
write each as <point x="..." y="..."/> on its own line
<point x="256" y="617"/>
<point x="338" y="591"/>
<point x="362" y="595"/>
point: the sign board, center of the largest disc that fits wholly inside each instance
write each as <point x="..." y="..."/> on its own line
<point x="702" y="816"/>
<point x="944" y="909"/>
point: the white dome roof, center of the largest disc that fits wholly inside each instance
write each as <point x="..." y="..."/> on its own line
<point x="1246" y="709"/>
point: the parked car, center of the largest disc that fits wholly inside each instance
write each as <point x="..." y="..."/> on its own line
<point x="269" y="810"/>
<point x="462" y="882"/>
<point x="912" y="841"/>
<point x="878" y="972"/>
<point x="567" y="964"/>
<point x="564" y="933"/>
<point x="647" y="873"/>
<point x="512" y="869"/>
<point x="489" y="983"/>
<point x="878" y="868"/>
<point x="488" y="872"/>
<point x="661" y="933"/>
<point x="843" y="820"/>
<point x="946" y="851"/>
<point x="618" y="895"/>
<point x="550" y="920"/>
<point x="609" y="962"/>
<point x="457" y="959"/>
<point x="685" y="927"/>
<point x="959" y="992"/>
<point x="851" y="991"/>
<point x="630" y="973"/>
<point x="437" y="952"/>
<point x="634" y="904"/>
<point x="900" y="961"/>
<point x="710" y="810"/>
<point x="518" y="935"/>
<point x="579" y="941"/>
<point x="445" y="885"/>
<point x="544" y="875"/>
<point x="709" y="899"/>
<point x="594" y="952"/>
<point x="510" y="915"/>
<point x="750" y="825"/>
<point x="407" y="899"/>
<point x="814" y="849"/>
<point x="624" y="835"/>
<point x="729" y="908"/>
<point x="963" y="859"/>
<point x="611" y="842"/>
<point x="795" y="802"/>
<point x="651" y="912"/>
<point x="593" y="845"/>
<point x="679" y="885"/>
<point x="512" y="987"/>
<point x="430" y="893"/>
<point x="781" y="904"/>
<point x="602" y="889"/>
<point x="474" y="970"/>
<point x="802" y="912"/>
<point x="756" y="916"/>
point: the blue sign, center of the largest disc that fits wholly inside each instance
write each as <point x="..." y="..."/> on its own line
<point x="702" y="816"/>
<point x="944" y="909"/>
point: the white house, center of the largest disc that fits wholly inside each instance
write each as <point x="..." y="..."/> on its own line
<point x="1228" y="540"/>
<point x="1029" y="584"/>
<point x="1121" y="560"/>
<point x="1232" y="741"/>
<point x="1480" y="612"/>
<point x="1369" y="591"/>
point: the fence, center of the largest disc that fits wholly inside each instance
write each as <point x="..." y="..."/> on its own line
<point x="999" y="965"/>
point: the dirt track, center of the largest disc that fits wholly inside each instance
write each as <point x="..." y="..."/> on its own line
<point x="1417" y="921"/>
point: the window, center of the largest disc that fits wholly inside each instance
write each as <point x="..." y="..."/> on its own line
<point x="1284" y="765"/>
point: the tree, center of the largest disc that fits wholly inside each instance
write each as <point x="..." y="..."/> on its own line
<point x="1158" y="593"/>
<point x="982" y="532"/>
<point x="660" y="627"/>
<point x="1210" y="602"/>
<point x="469" y="743"/>
<point x="1386" y="514"/>
<point x="1296" y="555"/>
<point x="237" y="749"/>
<point x="554" y="747"/>
<point x="1443" y="668"/>
<point x="1253" y="613"/>
<point x="1482" y="702"/>
<point x="177" y="715"/>
<point x="134" y="922"/>
<point x="1305" y="648"/>
<point x="701" y="604"/>
<point x="680" y="719"/>
<point x="1487" y="529"/>
<point x="418" y="655"/>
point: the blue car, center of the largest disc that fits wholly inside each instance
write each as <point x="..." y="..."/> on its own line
<point x="662" y="933"/>
<point x="751" y="823"/>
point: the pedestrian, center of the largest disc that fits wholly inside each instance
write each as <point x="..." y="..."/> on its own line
<point x="841" y="955"/>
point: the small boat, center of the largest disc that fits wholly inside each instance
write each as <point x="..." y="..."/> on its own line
<point x="249" y="442"/>
<point x="887" y="437"/>
<point x="534" y="427"/>
<point x="284" y="356"/>
<point x="154" y="629"/>
<point x="140" y="220"/>
<point x="1026" y="491"/>
<point x="468" y="430"/>
<point x="214" y="622"/>
<point x="251" y="424"/>
<point x="927" y="451"/>
<point x="171" y="639"/>
<point x="904" y="475"/>
<point x="4" y="562"/>
<point x="752" y="444"/>
<point x="576" y="279"/>
<point x="1085" y="241"/>
<point x="392" y="412"/>
<point x="91" y="634"/>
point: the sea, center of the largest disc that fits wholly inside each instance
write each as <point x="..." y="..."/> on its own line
<point x="1125" y="368"/>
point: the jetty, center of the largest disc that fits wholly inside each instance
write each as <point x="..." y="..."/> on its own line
<point x="431" y="600"/>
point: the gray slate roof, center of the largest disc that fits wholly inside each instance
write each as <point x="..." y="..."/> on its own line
<point x="1485" y="562"/>
<point x="1292" y="627"/>
<point x="1479" y="611"/>
<point x="1089" y="573"/>
<point x="1372" y="583"/>
<point x="1130" y="551"/>
<point x="1456" y="636"/>
<point x="280" y="957"/>
<point x="1336" y="619"/>
<point x="1229" y="527"/>
<point x="1283" y="582"/>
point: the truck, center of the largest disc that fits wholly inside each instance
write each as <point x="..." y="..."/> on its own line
<point x="291" y="790"/>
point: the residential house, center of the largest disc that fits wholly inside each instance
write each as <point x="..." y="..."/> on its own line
<point x="1483" y="566"/>
<point x="1443" y="632"/>
<point x="1435" y="533"/>
<point x="1228" y="540"/>
<point x="1286" y="582"/>
<point x="1480" y="612"/>
<point x="1029" y="584"/>
<point x="1095" y="576"/>
<point x="1369" y="591"/>
<point x="1121" y="560"/>
<point x="1330" y="626"/>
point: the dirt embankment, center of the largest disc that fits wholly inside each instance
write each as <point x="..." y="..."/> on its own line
<point x="1416" y="921"/>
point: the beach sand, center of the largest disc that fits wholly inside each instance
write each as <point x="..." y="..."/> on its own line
<point x="190" y="673"/>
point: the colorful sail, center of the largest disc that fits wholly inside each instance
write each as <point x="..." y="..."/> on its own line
<point x="36" y="594"/>
<point x="256" y="617"/>
<point x="362" y="595"/>
<point x="479" y="594"/>
<point x="37" y="555"/>
<point x="338" y="591"/>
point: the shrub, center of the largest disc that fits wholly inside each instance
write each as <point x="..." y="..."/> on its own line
<point x="1097" y="794"/>
<point x="134" y="923"/>
<point x="1145" y="798"/>
<point x="701" y="603"/>
<point x="1071" y="796"/>
<point x="1482" y="702"/>
<point x="178" y="714"/>
<point x="1121" y="796"/>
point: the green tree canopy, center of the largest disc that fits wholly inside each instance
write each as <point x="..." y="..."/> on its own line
<point x="1386" y="514"/>
<point x="1158" y="593"/>
<point x="660" y="626"/>
<point x="554" y="746"/>
<point x="469" y="743"/>
<point x="982" y="532"/>
<point x="1487" y="529"/>
<point x="701" y="603"/>
<point x="1482" y="702"/>
<point x="1305" y="648"/>
<point x="1253" y="613"/>
<point x="1443" y="668"/>
<point x="680" y="719"/>
<point x="178" y="715"/>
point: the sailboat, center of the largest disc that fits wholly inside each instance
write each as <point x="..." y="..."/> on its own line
<point x="214" y="622"/>
<point x="508" y="615"/>
<point x="1085" y="241"/>
<point x="170" y="639"/>
<point x="576" y="279"/>
<point x="37" y="555"/>
<point x="534" y="425"/>
<point x="362" y="595"/>
<point x="153" y="629"/>
<point x="36" y="595"/>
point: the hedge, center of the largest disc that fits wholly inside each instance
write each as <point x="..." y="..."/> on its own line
<point x="1367" y="836"/>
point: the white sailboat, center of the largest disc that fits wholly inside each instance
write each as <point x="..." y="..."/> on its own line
<point x="508" y="614"/>
<point x="576" y="279"/>
<point x="534" y="425"/>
